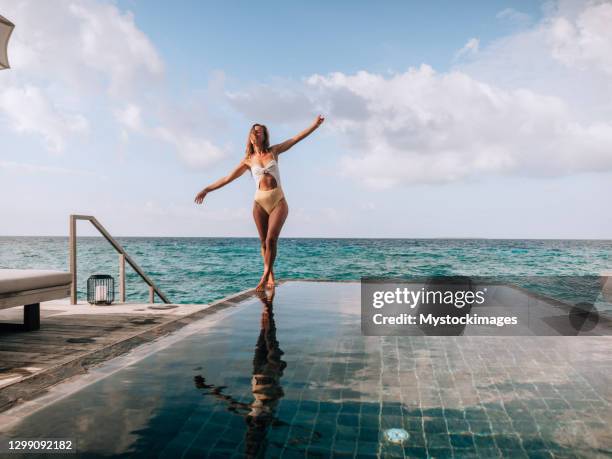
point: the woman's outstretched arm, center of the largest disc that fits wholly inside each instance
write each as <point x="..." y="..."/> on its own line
<point x="287" y="144"/>
<point x="237" y="172"/>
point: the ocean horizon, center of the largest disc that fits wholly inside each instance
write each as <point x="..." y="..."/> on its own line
<point x="204" y="269"/>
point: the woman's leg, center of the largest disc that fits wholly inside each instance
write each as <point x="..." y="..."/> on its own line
<point x="261" y="221"/>
<point x="276" y="219"/>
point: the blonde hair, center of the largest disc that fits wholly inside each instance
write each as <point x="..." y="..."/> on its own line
<point x="249" y="145"/>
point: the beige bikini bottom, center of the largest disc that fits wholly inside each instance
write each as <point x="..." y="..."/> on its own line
<point x="268" y="199"/>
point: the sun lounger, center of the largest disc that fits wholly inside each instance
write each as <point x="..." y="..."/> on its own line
<point x="30" y="287"/>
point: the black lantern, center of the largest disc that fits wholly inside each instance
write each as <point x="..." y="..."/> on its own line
<point x="100" y="289"/>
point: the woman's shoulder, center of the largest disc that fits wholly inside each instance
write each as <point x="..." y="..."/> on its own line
<point x="274" y="154"/>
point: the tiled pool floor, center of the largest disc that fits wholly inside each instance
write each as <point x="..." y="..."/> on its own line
<point x="299" y="380"/>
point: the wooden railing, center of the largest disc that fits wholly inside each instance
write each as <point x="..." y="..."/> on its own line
<point x="123" y="257"/>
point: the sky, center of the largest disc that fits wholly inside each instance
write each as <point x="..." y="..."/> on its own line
<point x="487" y="119"/>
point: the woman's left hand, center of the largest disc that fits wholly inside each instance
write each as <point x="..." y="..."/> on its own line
<point x="200" y="197"/>
<point x="319" y="120"/>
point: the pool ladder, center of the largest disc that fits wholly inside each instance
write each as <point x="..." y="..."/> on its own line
<point x="123" y="257"/>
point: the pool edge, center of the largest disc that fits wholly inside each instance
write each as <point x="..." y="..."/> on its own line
<point x="37" y="384"/>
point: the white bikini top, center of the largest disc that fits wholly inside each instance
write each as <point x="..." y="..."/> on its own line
<point x="271" y="168"/>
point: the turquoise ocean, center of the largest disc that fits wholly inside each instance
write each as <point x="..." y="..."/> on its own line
<point x="200" y="270"/>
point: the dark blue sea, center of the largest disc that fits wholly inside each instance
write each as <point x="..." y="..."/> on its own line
<point x="200" y="270"/>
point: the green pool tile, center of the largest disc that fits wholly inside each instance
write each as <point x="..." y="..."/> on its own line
<point x="345" y="446"/>
<point x="457" y="426"/>
<point x="225" y="443"/>
<point x="280" y="433"/>
<point x="220" y="453"/>
<point x="485" y="442"/>
<point x="454" y="414"/>
<point x="304" y="418"/>
<point x="412" y="411"/>
<point x="533" y="443"/>
<point x="480" y="427"/>
<point x="392" y="410"/>
<point x="519" y="414"/>
<point x="389" y="450"/>
<point x="434" y="412"/>
<point x="537" y="404"/>
<point x="525" y="426"/>
<point x="370" y="408"/>
<point x="348" y="420"/>
<point x="440" y="453"/>
<point x="367" y="447"/>
<point x="347" y="435"/>
<point x="475" y="413"/>
<point x="507" y="441"/>
<point x="369" y="421"/>
<point x="488" y="453"/>
<point x="579" y="405"/>
<point x="413" y="424"/>
<point x="350" y="408"/>
<point x="435" y="426"/>
<point x="291" y="453"/>
<point x="437" y="441"/>
<point x="329" y="407"/>
<point x="309" y="406"/>
<point x="466" y="453"/>
<point x="461" y="440"/>
<point x="416" y="439"/>
<point x="556" y="404"/>
<point x="415" y="452"/>
<point x="369" y="435"/>
<point x="501" y="427"/>
<point x="514" y="454"/>
<point x="494" y="407"/>
<point x="314" y="451"/>
<point x="539" y="455"/>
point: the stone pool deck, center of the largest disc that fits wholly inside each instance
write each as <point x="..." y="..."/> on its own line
<point x="73" y="338"/>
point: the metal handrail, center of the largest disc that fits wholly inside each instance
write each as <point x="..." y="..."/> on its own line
<point x="123" y="257"/>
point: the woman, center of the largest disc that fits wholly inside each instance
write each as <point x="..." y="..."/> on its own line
<point x="270" y="208"/>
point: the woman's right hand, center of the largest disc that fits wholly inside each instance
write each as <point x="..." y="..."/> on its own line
<point x="200" y="197"/>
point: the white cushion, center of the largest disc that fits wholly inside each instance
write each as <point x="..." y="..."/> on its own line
<point x="18" y="280"/>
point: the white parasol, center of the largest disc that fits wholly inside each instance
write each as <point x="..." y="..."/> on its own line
<point x="6" y="28"/>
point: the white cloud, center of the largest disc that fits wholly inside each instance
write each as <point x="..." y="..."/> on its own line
<point x="195" y="151"/>
<point x="547" y="60"/>
<point x="66" y="54"/>
<point x="130" y="117"/>
<point x="84" y="45"/>
<point x="471" y="47"/>
<point x="429" y="127"/>
<point x="517" y="108"/>
<point x="178" y="131"/>
<point x="584" y="41"/>
<point x="29" y="110"/>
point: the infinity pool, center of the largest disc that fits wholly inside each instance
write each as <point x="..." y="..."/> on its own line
<point x="294" y="378"/>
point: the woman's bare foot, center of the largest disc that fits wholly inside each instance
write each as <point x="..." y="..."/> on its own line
<point x="261" y="287"/>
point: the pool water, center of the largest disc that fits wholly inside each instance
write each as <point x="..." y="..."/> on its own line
<point x="294" y="377"/>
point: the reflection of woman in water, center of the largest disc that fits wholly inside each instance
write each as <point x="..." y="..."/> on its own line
<point x="267" y="371"/>
<point x="265" y="383"/>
